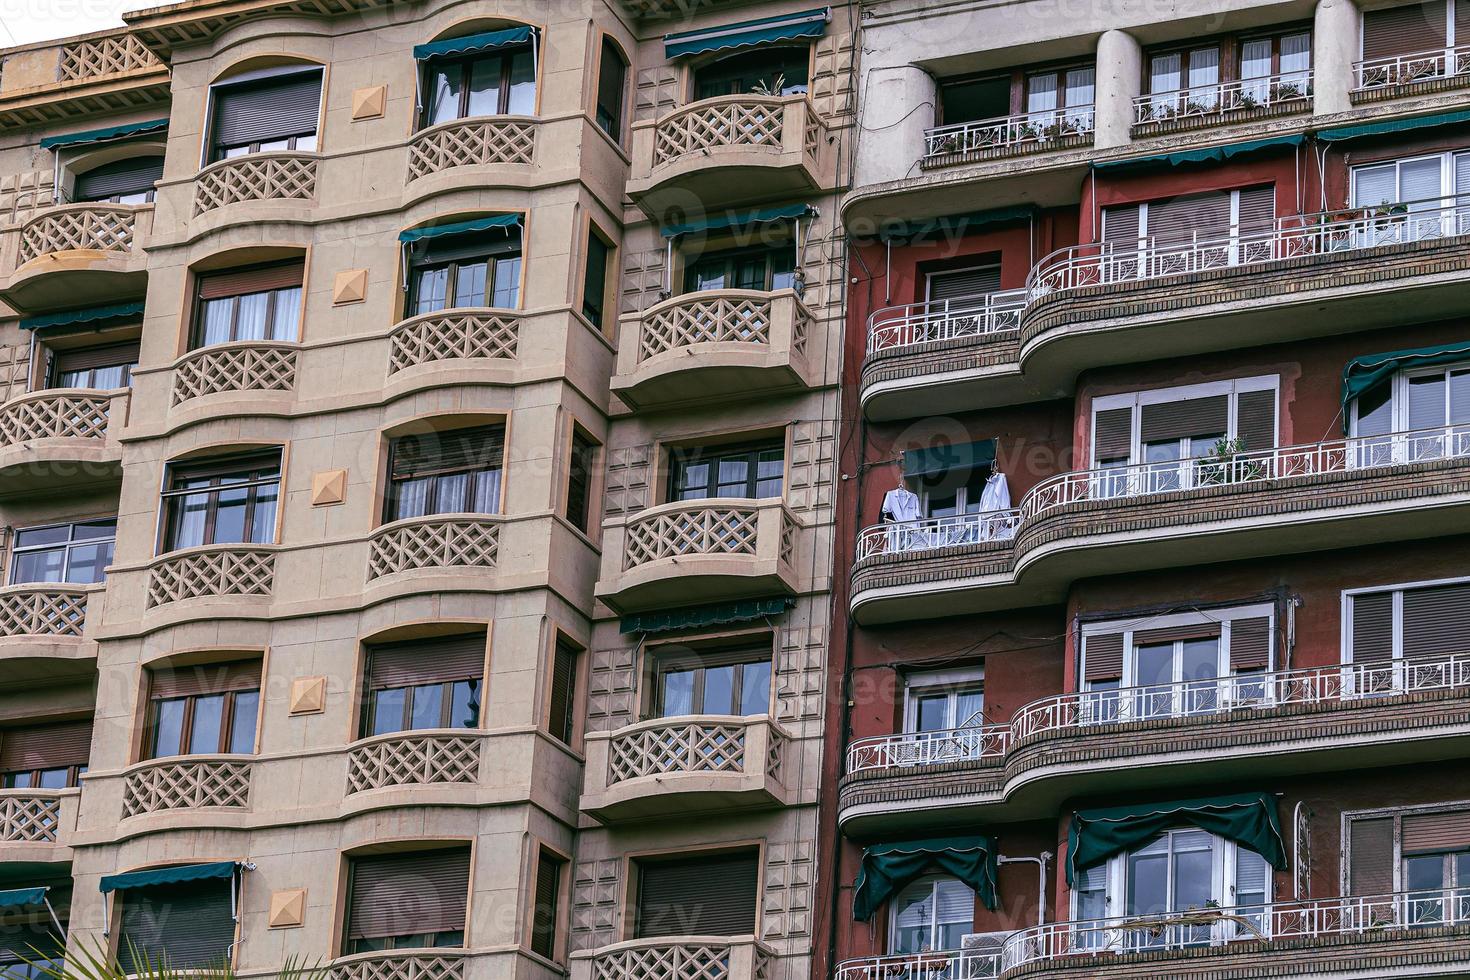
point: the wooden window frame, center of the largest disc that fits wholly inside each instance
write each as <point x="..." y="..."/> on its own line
<point x="466" y="65"/>
<point x="700" y="663"/>
<point x="476" y="474"/>
<point x="729" y="259"/>
<point x="216" y="151"/>
<point x="258" y="478"/>
<point x="186" y="729"/>
<point x="73" y="777"/>
<point x="490" y="258"/>
<point x="616" y="127"/>
<point x="596" y="311"/>
<point x="559" y="865"/>
<point x="681" y="459"/>
<point x="273" y="295"/>
<point x="1396" y="814"/>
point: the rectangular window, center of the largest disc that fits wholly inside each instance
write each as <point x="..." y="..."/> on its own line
<point x="1410" y="416"/>
<point x="547" y="902"/>
<point x="503" y="83"/>
<point x="30" y="948"/>
<point x="751" y="472"/>
<point x="612" y="74"/>
<point x="580" y="470"/>
<point x="130" y="180"/>
<point x="937" y="701"/>
<point x="759" y="269"/>
<point x="1412" y="28"/>
<point x="229" y="501"/>
<point x="715" y="682"/>
<point x="561" y="719"/>
<point x="963" y="100"/>
<point x="1061" y="95"/>
<point x="1414" y="198"/>
<point x="469" y="271"/>
<point x="1423" y="850"/>
<point x="1384" y="627"/>
<point x="766" y="70"/>
<point x="75" y="553"/>
<point x="933" y="913"/>
<point x="103" y="368"/>
<point x="595" y="279"/>
<point x="454" y="471"/>
<point x="206" y="709"/>
<point x="699" y="895"/>
<point x="956" y="285"/>
<point x="419" y="684"/>
<point x="1212" y="216"/>
<point x="1287" y="57"/>
<point x="49" y="756"/>
<point x="258" y="303"/>
<point x="189" y="923"/>
<point x="278" y="112"/>
<point x="408" y="900"/>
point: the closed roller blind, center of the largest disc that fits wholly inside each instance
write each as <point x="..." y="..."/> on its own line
<point x="1103" y="657"/>
<point x="187" y="925"/>
<point x="409" y="893"/>
<point x="67" y="743"/>
<point x="454" y="658"/>
<point x="1169" y="634"/>
<point x="1120" y="224"/>
<point x="96" y="357"/>
<point x="1372" y="628"/>
<point x="1162" y="421"/>
<point x="1112" y="434"/>
<point x="1436" y="621"/>
<point x="1250" y="643"/>
<point x="1371" y="856"/>
<point x="22" y="939"/>
<point x="1255" y="420"/>
<point x="256" y="279"/>
<point x="563" y="680"/>
<point x="1257" y="210"/>
<point x="543" y="916"/>
<point x="1408" y="29"/>
<point x="1180" y="219"/>
<point x="964" y="282"/>
<point x="1449" y="831"/>
<point x="130" y="176"/>
<point x="457" y="449"/>
<point x="174" y="682"/>
<point x="259" y="112"/>
<point x="702" y="896"/>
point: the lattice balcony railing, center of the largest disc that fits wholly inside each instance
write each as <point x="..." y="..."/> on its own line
<point x="186" y="784"/>
<point x="413" y="759"/>
<point x="464" y="541"/>
<point x="668" y="961"/>
<point x="402" y="966"/>
<point x="103" y="227"/>
<point x="454" y="334"/>
<point x="698" y="319"/>
<point x="235" y="367"/>
<point x="54" y="414"/>
<point x="42" y="610"/>
<point x="258" y="177"/>
<point x="104" y="56"/>
<point x="29" y="819"/>
<point x="469" y="142"/>
<point x="217" y="572"/>
<point x="678" y="747"/>
<point x="718" y="530"/>
<point x="743" y="120"/>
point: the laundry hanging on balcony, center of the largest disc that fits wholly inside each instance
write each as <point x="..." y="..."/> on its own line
<point x="1210" y="154"/>
<point x="91" y="314"/>
<point x="1369" y="370"/>
<point x="887" y="868"/>
<point x="473" y="43"/>
<point x="766" y="30"/>
<point x="1249" y="819"/>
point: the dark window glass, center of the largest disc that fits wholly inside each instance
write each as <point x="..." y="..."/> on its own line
<point x="204" y="724"/>
<point x="728" y="682"/>
<point x="594" y="282"/>
<point x="102" y="368"/>
<point x="449" y="472"/>
<point x="965" y="100"/>
<point x="752" y="472"/>
<point x="612" y="74"/>
<point x="465" y="271"/>
<point x="503" y="83"/>
<point x="75" y="553"/>
<point x="222" y="503"/>
<point x="762" y="269"/>
<point x="547" y="899"/>
<point x="126" y="181"/>
<point x="764" y="71"/>
<point x="579" y="480"/>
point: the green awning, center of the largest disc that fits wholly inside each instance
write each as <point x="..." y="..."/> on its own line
<point x="888" y="867"/>
<point x="1210" y="154"/>
<point x="90" y="314"/>
<point x="1393" y="126"/>
<point x="716" y="614"/>
<point x="952" y="225"/>
<point x="948" y="458"/>
<point x="740" y="219"/>
<point x="1249" y="819"/>
<point x="104" y="135"/>
<point x="176" y="875"/>
<point x="472" y="44"/>
<point x="767" y="30"/>
<point x="1365" y="372"/>
<point x="461" y="227"/>
<point x="17" y="897"/>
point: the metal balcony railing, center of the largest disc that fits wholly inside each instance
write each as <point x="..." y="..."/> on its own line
<point x="1406" y="69"/>
<point x="1044" y="126"/>
<point x="946" y="319"/>
<point x="1224" y="99"/>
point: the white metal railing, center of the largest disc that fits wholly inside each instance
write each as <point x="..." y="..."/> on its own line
<point x="1223" y="99"/>
<point x="945" y="319"/>
<point x="1336" y="684"/>
<point x="1405" y="69"/>
<point x="1450" y="442"/>
<point x="942" y="965"/>
<point x="1044" y="126"/>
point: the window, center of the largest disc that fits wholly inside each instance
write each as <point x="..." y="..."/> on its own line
<point x="408" y="900"/>
<point x="752" y="472"/>
<point x="1432" y="405"/>
<point x="276" y="112"/>
<point x="45" y="756"/>
<point x="258" y="303"/>
<point x="1384" y="627"/>
<point x="561" y="720"/>
<point x="963" y="100"/>
<point x="931" y="914"/>
<point x="208" y="709"/>
<point x="1190" y="218"/>
<point x="1286" y="56"/>
<point x="547" y="903"/>
<point x="1423" y="850"/>
<point x="1045" y="96"/>
<point x="30" y="948"/>
<point x="1414" y="198"/>
<point x="937" y="701"/>
<point x="467" y="270"/>
<point x="190" y="923"/>
<point x="419" y="684"/>
<point x="1185" y="77"/>
<point x="699" y="895"/>
<point x="955" y="286"/>
<point x="454" y="471"/>
<point x="103" y="368"/>
<point x="126" y="181"/>
<point x="75" y="553"/>
<point x="612" y="73"/>
<point x="503" y="83"/>
<point x="951" y="493"/>
<point x="229" y="501"/>
<point x="716" y="682"/>
<point x="764" y="71"/>
<point x="1075" y="87"/>
<point x="580" y="470"/>
<point x="1411" y="29"/>
<point x="595" y="278"/>
<point x="761" y="269"/>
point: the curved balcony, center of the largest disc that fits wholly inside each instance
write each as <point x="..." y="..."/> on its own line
<point x="1166" y="515"/>
<point x="700" y="551"/>
<point x="434" y="964"/>
<point x="187" y="783"/>
<point x="676" y="958"/>
<point x="485" y="141"/>
<point x="670" y="766"/>
<point x="442" y="541"/>
<point x="450" y="337"/>
<point x="60" y="437"/>
<point x="279" y="176"/>
<point x="1227" y="102"/>
<point x="729" y="150"/>
<point x="256" y="367"/>
<point x="1241" y="726"/>
<point x="41" y="629"/>
<point x="1008" y="136"/>
<point x="417" y="758"/>
<point x="715" y="345"/>
<point x="37" y="824"/>
<point x="1416" y="73"/>
<point x="76" y="255"/>
<point x="223" y="571"/>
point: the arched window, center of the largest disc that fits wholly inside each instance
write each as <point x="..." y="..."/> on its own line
<point x="492" y="73"/>
<point x="272" y="109"/>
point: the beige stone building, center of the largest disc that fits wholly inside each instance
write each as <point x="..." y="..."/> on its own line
<point x="416" y="471"/>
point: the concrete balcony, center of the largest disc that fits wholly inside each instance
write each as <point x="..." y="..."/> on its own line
<point x="429" y="964"/>
<point x="54" y="83"/>
<point x="257" y="370"/>
<point x="670" y="766"/>
<point x="258" y="177"/>
<point x="1008" y="136"/>
<point x="37" y="825"/>
<point x="700" y="551"/>
<point x="677" y="958"/>
<point x="41" y="631"/>
<point x="61" y="437"/>
<point x="1290" y="500"/>
<point x="1243" y="726"/>
<point x="187" y="783"/>
<point x="414" y="759"/>
<point x="228" y="573"/>
<point x="1222" y="104"/>
<point x="715" y="345"/>
<point x="480" y="142"/>
<point x="440" y="542"/>
<point x="729" y="150"/>
<point x="74" y="255"/>
<point x="1421" y="73"/>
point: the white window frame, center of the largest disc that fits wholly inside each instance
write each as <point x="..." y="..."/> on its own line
<point x="1449" y="35"/>
<point x="918" y="684"/>
<point x="934" y="920"/>
<point x="1136" y="400"/>
<point x="1223" y="867"/>
<point x="1233" y="232"/>
<point x="1396" y="813"/>
<point x="294" y="68"/>
<point x="1447" y="189"/>
<point x="1399" y="395"/>
<point x="1397" y="590"/>
<point x="1130" y="628"/>
<point x="65" y="547"/>
<point x="929" y="277"/>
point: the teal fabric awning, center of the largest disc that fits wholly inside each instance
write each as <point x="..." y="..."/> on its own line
<point x="473" y="43"/>
<point x="1249" y="819"/>
<point x="740" y="219"/>
<point x="1209" y="154"/>
<point x="767" y="30"/>
<point x="17" y="897"/>
<point x="1393" y="126"/>
<point x="460" y="227"/>
<point x="945" y="459"/>
<point x="888" y="867"/>
<point x="104" y="135"/>
<point x="954" y="224"/>
<point x="178" y="874"/>
<point x="715" y="614"/>
<point x="1365" y="372"/>
<point x="91" y="314"/>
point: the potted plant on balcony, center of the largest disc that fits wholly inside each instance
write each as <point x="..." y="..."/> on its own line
<point x="945" y="144"/>
<point x="1289" y="90"/>
<point x="1223" y="465"/>
<point x="770" y="88"/>
<point x="1247" y="100"/>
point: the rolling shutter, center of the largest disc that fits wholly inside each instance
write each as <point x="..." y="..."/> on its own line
<point x="1462" y="22"/>
<point x="1112" y="437"/>
<point x="1373" y="628"/>
<point x="132" y="175"/>
<point x="563" y="682"/>
<point x="1436" y="621"/>
<point x="1103" y="657"/>
<point x="700" y="896"/>
<point x="1371" y="856"/>
<point x="188" y="925"/>
<point x="1169" y="634"/>
<point x="1120" y="224"/>
<point x="259" y="112"/>
<point x="543" y="915"/>
<point x="455" y="658"/>
<point x="1257" y="209"/>
<point x="448" y="451"/>
<point x="1250" y="644"/>
<point x="964" y="283"/>
<point x="1164" y="421"/>
<point x="1180" y="219"/>
<point x="409" y="893"/>
<point x="67" y="743"/>
<point x="88" y="358"/>
<point x="175" y="682"/>
<point x="23" y="939"/>
<point x="1255" y="420"/>
<point x="255" y="279"/>
<point x="1449" y="831"/>
<point x="1409" y="29"/>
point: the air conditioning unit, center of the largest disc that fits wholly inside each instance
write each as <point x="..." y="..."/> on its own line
<point x="983" y="942"/>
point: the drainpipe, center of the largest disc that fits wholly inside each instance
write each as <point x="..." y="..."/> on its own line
<point x="1041" y="865"/>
